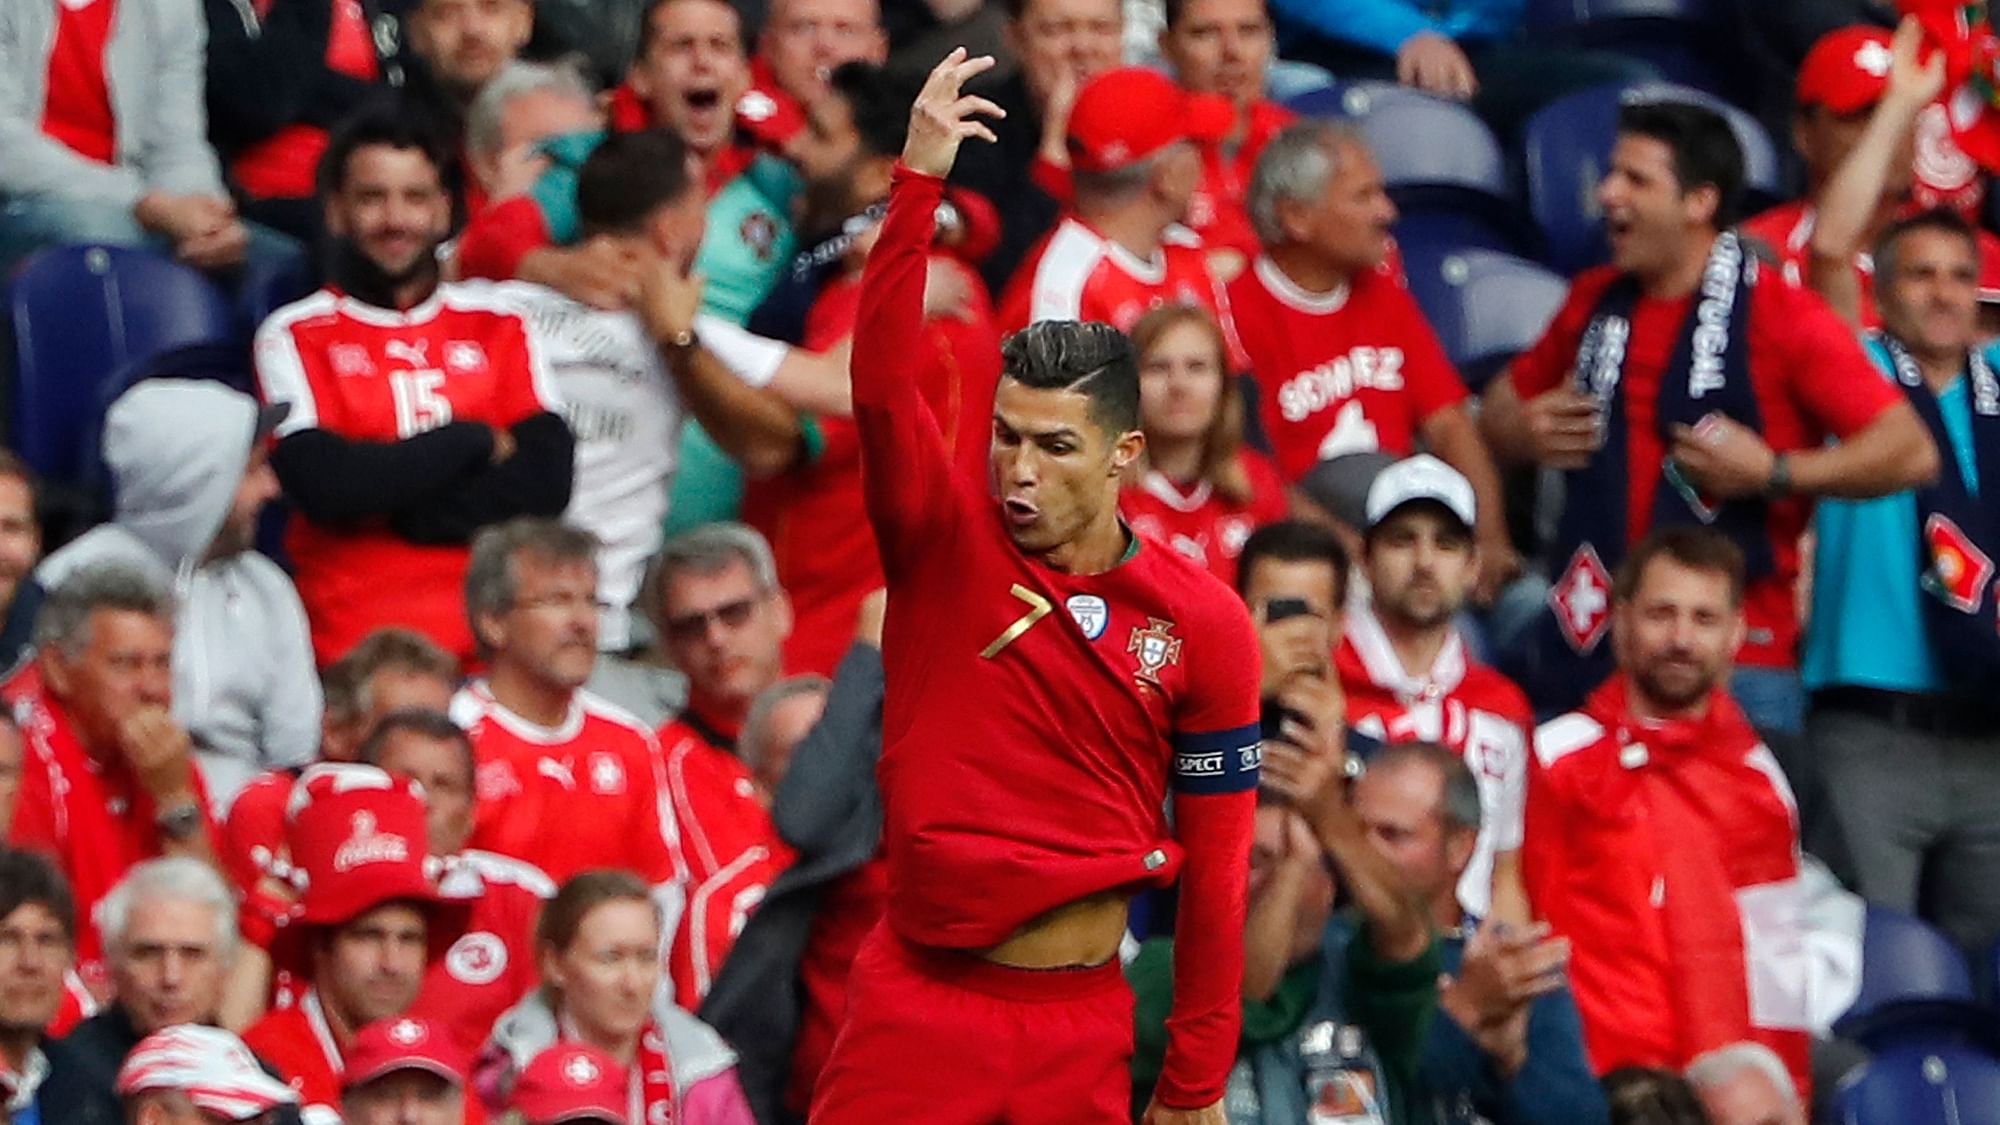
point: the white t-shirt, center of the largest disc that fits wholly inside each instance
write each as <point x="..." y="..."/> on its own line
<point x="622" y="405"/>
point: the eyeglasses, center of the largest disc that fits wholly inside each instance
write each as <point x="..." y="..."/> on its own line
<point x="694" y="626"/>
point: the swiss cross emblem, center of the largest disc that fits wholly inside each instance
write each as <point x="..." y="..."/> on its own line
<point x="1582" y="600"/>
<point x="352" y="360"/>
<point x="1156" y="647"/>
<point x="1960" y="571"/>
<point x="579" y="1071"/>
<point x="463" y="357"/>
<point x="406" y="1033"/>
<point x="1873" y="59"/>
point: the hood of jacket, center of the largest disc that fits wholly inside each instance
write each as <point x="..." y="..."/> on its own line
<point x="176" y="450"/>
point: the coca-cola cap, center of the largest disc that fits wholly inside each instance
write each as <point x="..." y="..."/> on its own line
<point x="358" y="838"/>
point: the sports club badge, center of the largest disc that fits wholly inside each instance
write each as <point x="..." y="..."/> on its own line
<point x="1157" y="647"/>
<point x="1960" y="572"/>
<point x="1581" y="599"/>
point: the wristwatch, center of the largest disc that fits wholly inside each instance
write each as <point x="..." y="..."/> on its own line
<point x="1779" y="483"/>
<point x="179" y="822"/>
<point x="680" y="341"/>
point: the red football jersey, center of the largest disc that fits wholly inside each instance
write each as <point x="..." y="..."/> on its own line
<point x="299" y="1043"/>
<point x="1458" y="703"/>
<point x="813" y="515"/>
<point x="1201" y="523"/>
<point x="1035" y="719"/>
<point x="1787" y="231"/>
<point x="586" y="794"/>
<point x="732" y="851"/>
<point x="91" y="818"/>
<point x="483" y="944"/>
<point x="372" y="374"/>
<point x="1810" y="377"/>
<point x="1074" y="273"/>
<point x="1351" y="371"/>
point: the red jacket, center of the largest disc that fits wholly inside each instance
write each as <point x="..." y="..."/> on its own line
<point x="1668" y="854"/>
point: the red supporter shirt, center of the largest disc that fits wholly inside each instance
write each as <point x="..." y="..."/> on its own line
<point x="587" y="794"/>
<point x="90" y="817"/>
<point x="1200" y="522"/>
<point x="1074" y="273"/>
<point x="1032" y="729"/>
<point x="284" y="164"/>
<point x="1351" y="371"/>
<point x="76" y="109"/>
<point x="1217" y="212"/>
<point x="1787" y="231"/>
<point x="732" y="851"/>
<point x="483" y="943"/>
<point x="254" y="834"/>
<point x="813" y="515"/>
<point x="1811" y="380"/>
<point x="1676" y="948"/>
<point x="300" y="1045"/>
<point x="372" y="374"/>
<point x="1457" y="703"/>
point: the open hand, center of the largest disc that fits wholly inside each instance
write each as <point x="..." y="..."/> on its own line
<point x="160" y="754"/>
<point x="942" y="118"/>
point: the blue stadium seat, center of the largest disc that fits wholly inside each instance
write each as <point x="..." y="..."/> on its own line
<point x="1942" y="1084"/>
<point x="1561" y="15"/>
<point x="1486" y="306"/>
<point x="81" y="315"/>
<point x="1567" y="146"/>
<point x="267" y="286"/>
<point x="1913" y="980"/>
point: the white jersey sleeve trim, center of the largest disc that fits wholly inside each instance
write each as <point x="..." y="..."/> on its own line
<point x="281" y="372"/>
<point x="1565" y="735"/>
<point x="1062" y="272"/>
<point x="752" y="358"/>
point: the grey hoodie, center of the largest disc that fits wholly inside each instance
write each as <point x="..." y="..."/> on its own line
<point x="245" y="686"/>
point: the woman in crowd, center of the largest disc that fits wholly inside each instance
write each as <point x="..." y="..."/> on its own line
<point x="598" y="942"/>
<point x="1197" y="490"/>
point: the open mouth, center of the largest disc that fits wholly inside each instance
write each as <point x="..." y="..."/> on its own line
<point x="1019" y="512"/>
<point x="705" y="98"/>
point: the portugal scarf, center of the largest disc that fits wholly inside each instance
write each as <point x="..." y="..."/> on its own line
<point x="1707" y="373"/>
<point x="1957" y="535"/>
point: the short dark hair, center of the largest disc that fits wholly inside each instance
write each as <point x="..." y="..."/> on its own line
<point x="655" y="6"/>
<point x="1645" y="1095"/>
<point x="1696" y="548"/>
<point x="628" y="177"/>
<point x="345" y="682"/>
<point x="1175" y="9"/>
<point x="1705" y="149"/>
<point x="29" y="879"/>
<point x="1459" y="808"/>
<point x="394" y="124"/>
<point x="423" y="723"/>
<point x="1294" y="541"/>
<point x="1944" y="220"/>
<point x="879" y="106"/>
<point x="1093" y="359"/>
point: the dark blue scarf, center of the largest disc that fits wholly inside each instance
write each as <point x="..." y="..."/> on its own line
<point x="1958" y="545"/>
<point x="1707" y="373"/>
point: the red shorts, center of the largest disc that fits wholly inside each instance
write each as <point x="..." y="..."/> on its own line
<point x="945" y="1038"/>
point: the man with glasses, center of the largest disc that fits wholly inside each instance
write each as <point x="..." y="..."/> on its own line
<point x="724" y="621"/>
<point x="565" y="780"/>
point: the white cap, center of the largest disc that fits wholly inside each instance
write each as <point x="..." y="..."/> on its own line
<point x="207" y="1064"/>
<point x="1422" y="477"/>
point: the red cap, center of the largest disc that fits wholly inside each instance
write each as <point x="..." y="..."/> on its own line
<point x="402" y="1043"/>
<point x="1130" y="113"/>
<point x="358" y="839"/>
<point x="571" y="1082"/>
<point x="1846" y="71"/>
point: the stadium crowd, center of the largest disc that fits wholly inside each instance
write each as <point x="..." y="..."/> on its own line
<point x="727" y="571"/>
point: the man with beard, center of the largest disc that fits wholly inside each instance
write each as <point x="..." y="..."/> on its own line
<point x="1662" y="839"/>
<point x="1408" y="677"/>
<point x="190" y="470"/>
<point x="421" y="410"/>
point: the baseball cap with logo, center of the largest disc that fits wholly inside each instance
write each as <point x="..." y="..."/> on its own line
<point x="1422" y="477"/>
<point x="402" y="1043"/>
<point x="1126" y="115"/>
<point x="1846" y="71"/>
<point x="358" y="839"/>
<point x="209" y="1066"/>
<point x="571" y="1082"/>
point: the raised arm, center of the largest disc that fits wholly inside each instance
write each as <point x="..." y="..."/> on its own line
<point x="906" y="466"/>
<point x="1853" y="197"/>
